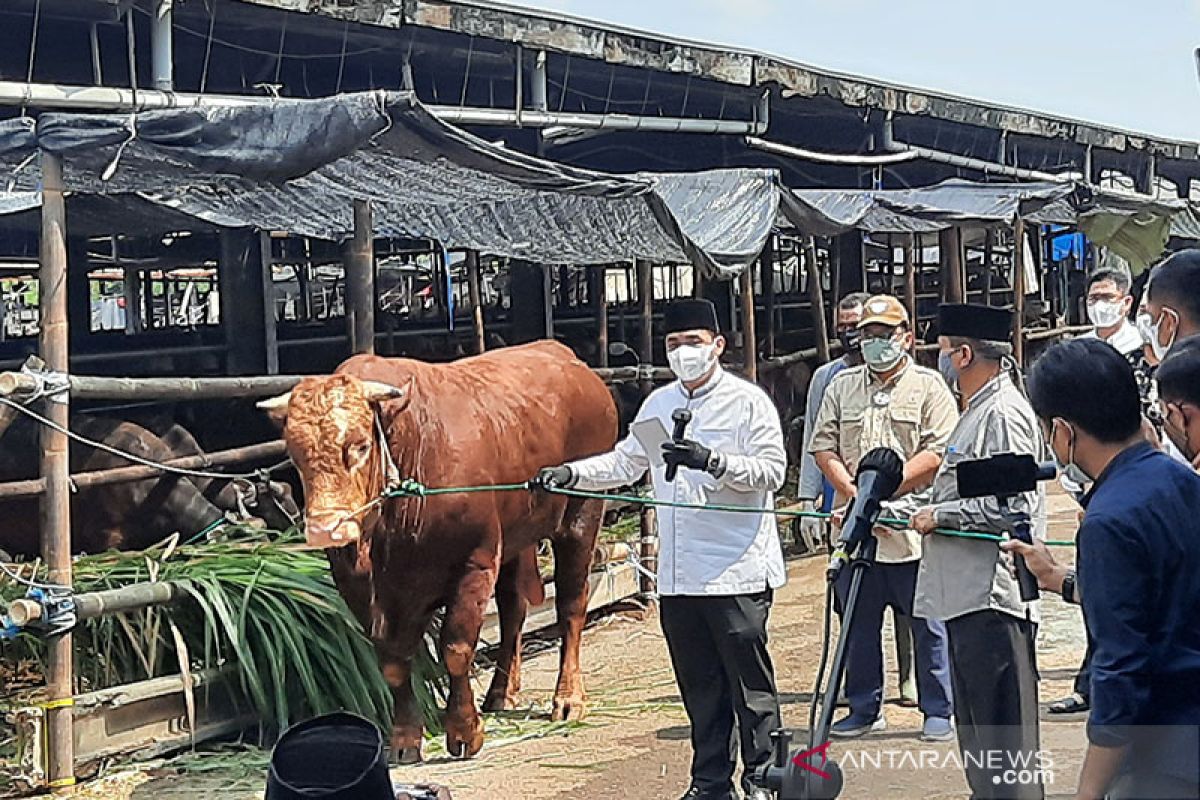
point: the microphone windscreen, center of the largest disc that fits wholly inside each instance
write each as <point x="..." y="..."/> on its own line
<point x="888" y="468"/>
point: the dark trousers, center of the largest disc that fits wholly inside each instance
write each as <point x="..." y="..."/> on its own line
<point x="993" y="668"/>
<point x="892" y="585"/>
<point x="1083" y="678"/>
<point x="718" y="646"/>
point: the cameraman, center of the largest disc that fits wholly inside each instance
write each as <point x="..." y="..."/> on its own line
<point x="966" y="583"/>
<point x="1138" y="558"/>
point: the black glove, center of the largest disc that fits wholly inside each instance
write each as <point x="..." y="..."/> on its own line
<point x="686" y="453"/>
<point x="560" y="477"/>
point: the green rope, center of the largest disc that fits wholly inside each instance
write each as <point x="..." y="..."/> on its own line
<point x="411" y="488"/>
<point x="209" y="528"/>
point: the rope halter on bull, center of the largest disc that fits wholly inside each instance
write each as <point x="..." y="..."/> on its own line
<point x="392" y="485"/>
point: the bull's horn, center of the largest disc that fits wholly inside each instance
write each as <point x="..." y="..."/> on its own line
<point x="275" y="405"/>
<point x="379" y="392"/>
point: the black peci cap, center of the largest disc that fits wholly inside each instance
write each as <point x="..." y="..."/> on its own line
<point x="972" y="321"/>
<point x="335" y="757"/>
<point x="690" y="315"/>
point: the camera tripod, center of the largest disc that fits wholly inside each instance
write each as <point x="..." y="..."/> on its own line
<point x="810" y="774"/>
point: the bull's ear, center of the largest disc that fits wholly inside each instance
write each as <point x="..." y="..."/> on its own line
<point x="376" y="392"/>
<point x="276" y="407"/>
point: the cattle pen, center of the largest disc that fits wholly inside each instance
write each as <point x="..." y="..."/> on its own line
<point x="367" y="220"/>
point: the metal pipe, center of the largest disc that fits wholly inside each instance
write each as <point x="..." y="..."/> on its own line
<point x="53" y="346"/>
<point x="112" y="98"/>
<point x="850" y="159"/>
<point x="615" y="122"/>
<point x="161" y="46"/>
<point x="540" y="102"/>
<point x="97" y="69"/>
<point x="889" y="144"/>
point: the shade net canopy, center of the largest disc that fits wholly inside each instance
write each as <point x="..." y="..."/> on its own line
<point x="1135" y="226"/>
<point x="298" y="165"/>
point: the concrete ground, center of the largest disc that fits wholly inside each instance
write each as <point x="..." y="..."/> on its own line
<point x="634" y="743"/>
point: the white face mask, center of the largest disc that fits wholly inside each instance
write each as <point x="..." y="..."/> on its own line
<point x="1068" y="467"/>
<point x="1105" y="313"/>
<point x="1160" y="350"/>
<point x="691" y="362"/>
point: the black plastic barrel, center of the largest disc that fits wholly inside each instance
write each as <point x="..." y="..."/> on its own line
<point x="334" y="757"/>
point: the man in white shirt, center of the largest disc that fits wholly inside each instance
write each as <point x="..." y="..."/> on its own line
<point x="1108" y="306"/>
<point x="717" y="570"/>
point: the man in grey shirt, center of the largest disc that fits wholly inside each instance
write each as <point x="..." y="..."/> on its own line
<point x="968" y="583"/>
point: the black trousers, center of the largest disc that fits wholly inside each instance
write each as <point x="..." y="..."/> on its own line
<point x="1083" y="678"/>
<point x="718" y="647"/>
<point x="994" y="675"/>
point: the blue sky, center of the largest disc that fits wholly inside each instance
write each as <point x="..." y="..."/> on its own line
<point x="1126" y="63"/>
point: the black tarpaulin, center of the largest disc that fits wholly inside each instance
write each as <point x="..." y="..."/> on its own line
<point x="297" y="166"/>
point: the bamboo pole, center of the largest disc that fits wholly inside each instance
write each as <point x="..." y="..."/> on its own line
<point x="105" y="477"/>
<point x="749" y="333"/>
<point x="816" y="297"/>
<point x="598" y="294"/>
<point x="476" y="297"/>
<point x="55" y="470"/>
<point x="910" y="279"/>
<point x="360" y="281"/>
<point x="547" y="302"/>
<point x="1018" y="284"/>
<point x="767" y="281"/>
<point x="645" y="288"/>
<point x="950" y="247"/>
<point x="648" y="550"/>
<point x="1055" y="333"/>
<point x="104" y="603"/>
<point x="989" y="237"/>
<point x="270" y="327"/>
<point x="89" y="387"/>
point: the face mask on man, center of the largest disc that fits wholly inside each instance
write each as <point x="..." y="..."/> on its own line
<point x="851" y="340"/>
<point x="691" y="362"/>
<point x="1068" y="467"/>
<point x="1178" y="434"/>
<point x="882" y="354"/>
<point x="946" y="366"/>
<point x="1150" y="331"/>
<point x="1106" y="313"/>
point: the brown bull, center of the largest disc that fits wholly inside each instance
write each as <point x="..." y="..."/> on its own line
<point x="491" y="419"/>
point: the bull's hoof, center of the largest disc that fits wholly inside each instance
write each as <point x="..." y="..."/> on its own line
<point x="406" y="745"/>
<point x="569" y="708"/>
<point x="498" y="702"/>
<point x="464" y="738"/>
<point x="408" y="755"/>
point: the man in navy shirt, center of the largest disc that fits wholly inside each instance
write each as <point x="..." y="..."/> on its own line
<point x="1138" y="556"/>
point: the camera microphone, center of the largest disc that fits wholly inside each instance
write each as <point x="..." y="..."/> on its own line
<point x="880" y="473"/>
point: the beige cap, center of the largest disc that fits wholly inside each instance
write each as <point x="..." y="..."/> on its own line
<point x="884" y="309"/>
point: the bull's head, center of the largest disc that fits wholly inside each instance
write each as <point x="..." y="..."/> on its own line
<point x="336" y="442"/>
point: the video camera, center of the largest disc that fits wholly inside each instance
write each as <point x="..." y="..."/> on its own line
<point x="810" y="774"/>
<point x="1005" y="476"/>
